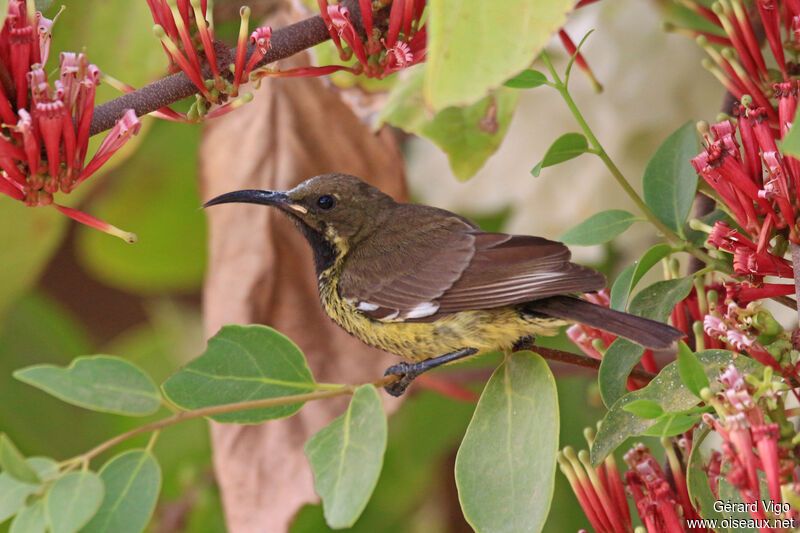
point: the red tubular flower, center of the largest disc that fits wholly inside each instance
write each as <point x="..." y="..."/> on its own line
<point x="45" y="140"/>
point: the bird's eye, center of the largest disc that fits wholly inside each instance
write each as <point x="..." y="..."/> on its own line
<point x="326" y="201"/>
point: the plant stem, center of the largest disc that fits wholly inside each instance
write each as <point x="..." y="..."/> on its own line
<point x="796" y="268"/>
<point x="342" y="390"/>
<point x="584" y="361"/>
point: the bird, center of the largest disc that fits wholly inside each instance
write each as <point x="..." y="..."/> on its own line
<point x="431" y="286"/>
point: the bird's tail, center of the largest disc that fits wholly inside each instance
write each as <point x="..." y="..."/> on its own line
<point x="648" y="333"/>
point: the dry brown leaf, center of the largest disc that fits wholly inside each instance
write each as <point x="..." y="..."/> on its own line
<point x="260" y="271"/>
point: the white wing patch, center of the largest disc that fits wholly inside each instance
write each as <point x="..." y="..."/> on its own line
<point x="366" y="306"/>
<point x="422" y="310"/>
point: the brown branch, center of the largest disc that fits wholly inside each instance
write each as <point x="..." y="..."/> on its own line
<point x="286" y="42"/>
<point x="585" y="361"/>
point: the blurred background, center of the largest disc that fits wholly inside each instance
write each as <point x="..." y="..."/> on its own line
<point x="67" y="290"/>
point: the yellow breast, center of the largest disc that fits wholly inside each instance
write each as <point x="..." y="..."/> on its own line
<point x="485" y="329"/>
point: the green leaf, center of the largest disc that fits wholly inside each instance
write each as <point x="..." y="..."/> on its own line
<point x="654" y="302"/>
<point x="28" y="238"/>
<point x="670" y="425"/>
<point x="346" y="458"/>
<point x="791" y="141"/>
<point x="566" y="147"/>
<point x="72" y="500"/>
<point x="697" y="480"/>
<point x="657" y="301"/>
<point x="644" y="408"/>
<point x="666" y="389"/>
<point x="615" y="367"/>
<point x="132" y="481"/>
<point x="669" y="181"/>
<point x="13" y="462"/>
<point x="30" y="519"/>
<point x="98" y="382"/>
<point x="505" y="465"/>
<point x="627" y="280"/>
<point x="691" y="370"/>
<point x="527" y="79"/>
<point x="468" y="135"/>
<point x="599" y="228"/>
<point x="171" y="251"/>
<point x="466" y="63"/>
<point x="14" y="493"/>
<point x="243" y="363"/>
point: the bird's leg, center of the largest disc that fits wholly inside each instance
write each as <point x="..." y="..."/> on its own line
<point x="409" y="371"/>
<point x="524" y="343"/>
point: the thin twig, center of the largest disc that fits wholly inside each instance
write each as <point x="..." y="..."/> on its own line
<point x="585" y="361"/>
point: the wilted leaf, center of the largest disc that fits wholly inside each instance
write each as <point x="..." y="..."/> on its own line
<point x="666" y="389"/>
<point x="14" y="493"/>
<point x="506" y="463"/>
<point x="13" y="462"/>
<point x="346" y="458"/>
<point x="98" y="382"/>
<point x="243" y="363"/>
<point x="599" y="228"/>
<point x="132" y="481"/>
<point x="466" y="63"/>
<point x="566" y="147"/>
<point x="72" y="500"/>
<point x="669" y="181"/>
<point x="468" y="135"/>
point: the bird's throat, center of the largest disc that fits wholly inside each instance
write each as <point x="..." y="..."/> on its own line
<point x="325" y="253"/>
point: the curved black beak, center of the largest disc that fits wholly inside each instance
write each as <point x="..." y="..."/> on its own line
<point x="252" y="196"/>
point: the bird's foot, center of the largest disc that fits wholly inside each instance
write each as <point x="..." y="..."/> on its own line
<point x="407" y="372"/>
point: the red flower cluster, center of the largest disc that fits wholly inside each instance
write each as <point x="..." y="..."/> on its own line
<point x="401" y="46"/>
<point x="46" y="127"/>
<point x="187" y="34"/>
<point x="751" y="442"/>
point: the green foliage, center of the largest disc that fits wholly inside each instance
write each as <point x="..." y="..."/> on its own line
<point x="132" y="481"/>
<point x="791" y="141"/>
<point x="527" y="79"/>
<point x="654" y="302"/>
<point x="159" y="180"/>
<point x="72" y="500"/>
<point x="668" y="391"/>
<point x="628" y="278"/>
<point x="669" y="180"/>
<point x="691" y="371"/>
<point x="100" y="382"/>
<point x="346" y="458"/>
<point x="28" y="238"/>
<point x="465" y="64"/>
<point x="243" y="363"/>
<point x="644" y="408"/>
<point x="697" y="482"/>
<point x="14" y="493"/>
<point x="506" y="463"/>
<point x="468" y="135"/>
<point x="31" y="519"/>
<point x="599" y="228"/>
<point x="566" y="147"/>
<point x="13" y="462"/>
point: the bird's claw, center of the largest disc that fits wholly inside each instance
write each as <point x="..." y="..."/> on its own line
<point x="407" y="372"/>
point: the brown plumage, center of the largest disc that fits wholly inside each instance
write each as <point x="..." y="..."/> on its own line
<point x="422" y="282"/>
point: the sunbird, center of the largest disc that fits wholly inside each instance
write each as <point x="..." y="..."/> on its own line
<point x="430" y="285"/>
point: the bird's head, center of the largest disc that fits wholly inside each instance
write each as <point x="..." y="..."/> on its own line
<point x="332" y="209"/>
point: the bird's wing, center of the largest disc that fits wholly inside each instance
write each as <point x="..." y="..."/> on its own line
<point x="458" y="268"/>
<point x="511" y="269"/>
<point x="402" y="271"/>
